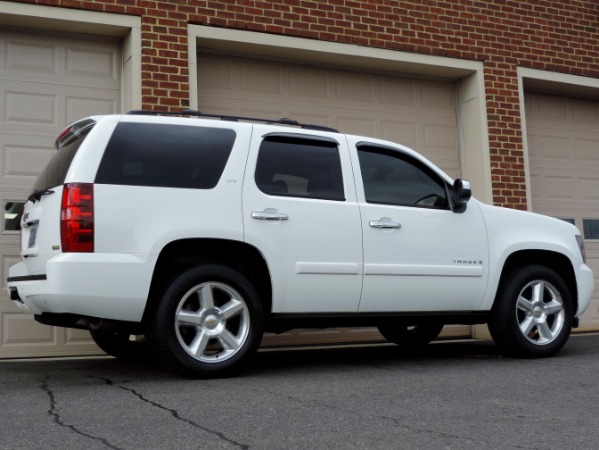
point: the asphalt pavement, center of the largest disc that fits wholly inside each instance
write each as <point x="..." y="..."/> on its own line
<point x="453" y="395"/>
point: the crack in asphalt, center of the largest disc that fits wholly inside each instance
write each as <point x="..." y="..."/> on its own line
<point x="396" y="421"/>
<point x="174" y="413"/>
<point x="53" y="412"/>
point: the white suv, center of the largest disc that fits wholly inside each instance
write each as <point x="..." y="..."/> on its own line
<point x="201" y="234"/>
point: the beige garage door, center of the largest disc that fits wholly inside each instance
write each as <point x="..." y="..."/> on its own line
<point x="563" y="143"/>
<point x="46" y="82"/>
<point x="419" y="114"/>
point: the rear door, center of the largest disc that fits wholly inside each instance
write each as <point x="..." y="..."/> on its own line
<point x="418" y="254"/>
<point x="300" y="210"/>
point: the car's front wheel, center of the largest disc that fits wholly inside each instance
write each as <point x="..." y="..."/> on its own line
<point x="532" y="315"/>
<point x="208" y="322"/>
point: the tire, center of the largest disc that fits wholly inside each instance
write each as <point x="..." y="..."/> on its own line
<point x="533" y="313"/>
<point x="410" y="336"/>
<point x="208" y="322"/>
<point x="119" y="345"/>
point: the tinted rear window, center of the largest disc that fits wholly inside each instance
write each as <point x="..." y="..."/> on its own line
<point x="300" y="168"/>
<point x="55" y="172"/>
<point x="165" y="155"/>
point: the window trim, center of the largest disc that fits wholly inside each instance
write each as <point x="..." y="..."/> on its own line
<point x="300" y="136"/>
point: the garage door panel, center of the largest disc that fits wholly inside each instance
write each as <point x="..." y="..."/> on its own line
<point x="397" y="131"/>
<point x="556" y="148"/>
<point x="23" y="158"/>
<point x="27" y="104"/>
<point x="22" y="55"/>
<point x="19" y="330"/>
<point x="393" y="93"/>
<point x="352" y="90"/>
<point x="586" y="151"/>
<point x="438" y="98"/>
<point x="56" y="60"/>
<point x="577" y="151"/>
<point x="545" y="109"/>
<point x="46" y="82"/>
<point x="351" y="102"/>
<point x="563" y="140"/>
<point x="75" y="337"/>
<point x="9" y="257"/>
<point x="585" y="114"/>
<point x="261" y="79"/>
<point x="440" y="137"/>
<point x="577" y="190"/>
<point x="261" y="110"/>
<point x="554" y="188"/>
<point x="358" y="125"/>
<point x="87" y="105"/>
<point x="589" y="192"/>
<point x="85" y="62"/>
<point x="311" y="83"/>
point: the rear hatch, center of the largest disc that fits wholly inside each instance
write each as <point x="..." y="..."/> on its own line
<point x="41" y="220"/>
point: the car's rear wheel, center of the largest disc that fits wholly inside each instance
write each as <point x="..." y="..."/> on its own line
<point x="410" y="335"/>
<point x="533" y="312"/>
<point x="123" y="345"/>
<point x="208" y="322"/>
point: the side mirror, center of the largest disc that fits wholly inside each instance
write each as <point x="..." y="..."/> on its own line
<point x="460" y="194"/>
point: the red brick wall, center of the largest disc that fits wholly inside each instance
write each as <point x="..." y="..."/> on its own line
<point x="554" y="35"/>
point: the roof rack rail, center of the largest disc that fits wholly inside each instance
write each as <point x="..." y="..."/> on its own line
<point x="189" y="112"/>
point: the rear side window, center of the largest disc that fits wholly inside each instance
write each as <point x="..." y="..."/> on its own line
<point x="164" y="155"/>
<point x="56" y="170"/>
<point x="295" y="167"/>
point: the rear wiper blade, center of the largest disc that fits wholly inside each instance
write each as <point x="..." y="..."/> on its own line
<point x="37" y="195"/>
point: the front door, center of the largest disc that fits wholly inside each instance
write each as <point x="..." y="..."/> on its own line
<point x="419" y="256"/>
<point x="300" y="210"/>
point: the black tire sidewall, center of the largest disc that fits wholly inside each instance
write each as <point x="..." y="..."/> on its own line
<point x="503" y="324"/>
<point x="163" y="335"/>
<point x="118" y="344"/>
<point x="398" y="333"/>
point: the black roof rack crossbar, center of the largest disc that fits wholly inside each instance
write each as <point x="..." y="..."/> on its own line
<point x="189" y="112"/>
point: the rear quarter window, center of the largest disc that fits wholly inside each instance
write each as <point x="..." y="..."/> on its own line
<point x="164" y="155"/>
<point x="56" y="170"/>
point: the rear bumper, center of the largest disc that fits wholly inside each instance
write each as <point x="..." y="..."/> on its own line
<point x="110" y="286"/>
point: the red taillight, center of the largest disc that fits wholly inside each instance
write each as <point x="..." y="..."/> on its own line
<point x="77" y="218"/>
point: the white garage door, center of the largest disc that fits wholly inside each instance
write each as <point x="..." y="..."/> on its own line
<point x="419" y="114"/>
<point x="563" y="143"/>
<point x="46" y="82"/>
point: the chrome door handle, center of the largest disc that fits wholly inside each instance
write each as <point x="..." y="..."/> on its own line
<point x="384" y="223"/>
<point x="269" y="214"/>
